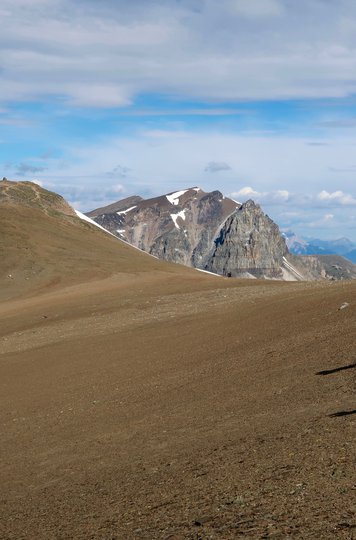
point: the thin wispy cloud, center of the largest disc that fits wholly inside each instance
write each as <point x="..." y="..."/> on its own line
<point x="339" y="124"/>
<point x="217" y="166"/>
<point x="187" y="112"/>
<point x="23" y="169"/>
<point x="343" y="169"/>
<point x="317" y="143"/>
<point x="119" y="172"/>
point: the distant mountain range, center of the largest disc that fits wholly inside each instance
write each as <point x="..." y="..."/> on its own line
<point x="214" y="233"/>
<point x="313" y="246"/>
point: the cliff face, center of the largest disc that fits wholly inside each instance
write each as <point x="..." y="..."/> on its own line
<point x="215" y="233"/>
<point x="180" y="227"/>
<point x="249" y="243"/>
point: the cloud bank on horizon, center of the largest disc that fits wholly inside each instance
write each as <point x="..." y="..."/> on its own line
<point x="252" y="97"/>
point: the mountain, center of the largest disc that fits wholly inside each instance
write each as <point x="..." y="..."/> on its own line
<point x="179" y="227"/>
<point x="214" y="233"/>
<point x="296" y="244"/>
<point x="202" y="230"/>
<point x="44" y="244"/>
<point x="314" y="246"/>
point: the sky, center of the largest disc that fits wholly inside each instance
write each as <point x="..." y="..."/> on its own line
<point x="255" y="98"/>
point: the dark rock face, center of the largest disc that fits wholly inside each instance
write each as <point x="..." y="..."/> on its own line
<point x="215" y="233"/>
<point x="248" y="243"/>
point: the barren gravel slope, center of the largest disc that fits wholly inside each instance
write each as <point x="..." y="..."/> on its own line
<point x="167" y="406"/>
<point x="41" y="251"/>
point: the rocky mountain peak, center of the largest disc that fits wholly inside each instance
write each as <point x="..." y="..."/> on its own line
<point x="179" y="226"/>
<point x="250" y="205"/>
<point x="249" y="243"/>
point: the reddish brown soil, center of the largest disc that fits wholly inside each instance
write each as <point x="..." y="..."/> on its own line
<point x="177" y="405"/>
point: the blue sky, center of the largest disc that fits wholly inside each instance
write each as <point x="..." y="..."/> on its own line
<point x="257" y="98"/>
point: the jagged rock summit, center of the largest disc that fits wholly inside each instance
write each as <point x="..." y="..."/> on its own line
<point x="214" y="233"/>
<point x="249" y="244"/>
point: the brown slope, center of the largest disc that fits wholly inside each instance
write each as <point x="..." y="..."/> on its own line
<point x="43" y="243"/>
<point x="162" y="410"/>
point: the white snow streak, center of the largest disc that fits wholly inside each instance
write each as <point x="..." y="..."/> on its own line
<point x="174" y="197"/>
<point x="206" y="272"/>
<point x="180" y="214"/>
<point x="292" y="269"/>
<point x="86" y="218"/>
<point x="125" y="211"/>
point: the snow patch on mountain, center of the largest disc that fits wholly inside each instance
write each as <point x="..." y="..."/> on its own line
<point x="173" y="198"/>
<point x="176" y="216"/>
<point x="291" y="269"/>
<point x="126" y="211"/>
<point x="206" y="272"/>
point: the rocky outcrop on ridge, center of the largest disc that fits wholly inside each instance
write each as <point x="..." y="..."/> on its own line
<point x="249" y="244"/>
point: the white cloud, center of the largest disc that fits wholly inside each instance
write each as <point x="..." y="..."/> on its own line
<point x="282" y="195"/>
<point x="103" y="54"/>
<point x="337" y="197"/>
<point x="276" y="197"/>
<point x="96" y="95"/>
<point x="246" y="192"/>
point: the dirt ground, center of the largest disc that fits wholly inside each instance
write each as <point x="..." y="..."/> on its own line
<point x="167" y="406"/>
